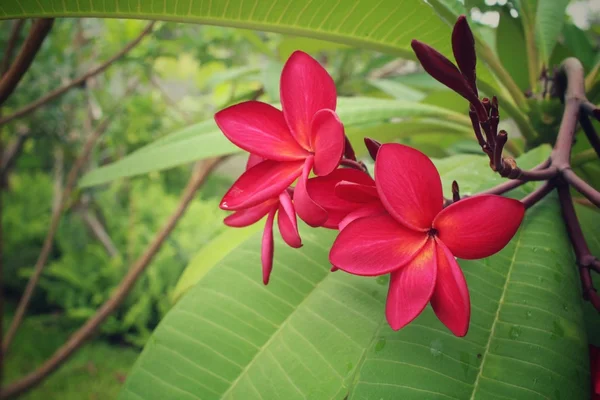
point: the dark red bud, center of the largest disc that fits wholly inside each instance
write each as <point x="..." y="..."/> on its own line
<point x="442" y="70"/>
<point x="373" y="147"/>
<point x="463" y="47"/>
<point x="349" y="150"/>
<point x="455" y="191"/>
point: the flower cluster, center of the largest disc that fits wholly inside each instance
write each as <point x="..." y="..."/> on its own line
<point x="393" y="224"/>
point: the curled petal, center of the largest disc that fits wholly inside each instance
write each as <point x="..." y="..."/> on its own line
<point x="259" y="128"/>
<point x="375" y="246"/>
<point x="306" y="208"/>
<point x="306" y="88"/>
<point x="250" y="215"/>
<point x="253" y="159"/>
<point x="327" y="141"/>
<point x="450" y="300"/>
<point x="356" y="192"/>
<point x="266" y="253"/>
<point x="411" y="288"/>
<point x="349" y="150"/>
<point x="322" y="190"/>
<point x="479" y="226"/>
<point x="366" y="210"/>
<point x="409" y="186"/>
<point x="260" y="183"/>
<point x="286" y="220"/>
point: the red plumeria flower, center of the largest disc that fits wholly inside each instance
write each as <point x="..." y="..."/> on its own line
<point x="286" y="220"/>
<point x="306" y="136"/>
<point x="346" y="194"/>
<point x="418" y="240"/>
<point x="595" y="371"/>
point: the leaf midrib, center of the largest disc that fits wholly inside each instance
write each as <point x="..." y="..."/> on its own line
<point x="486" y="350"/>
<point x="274" y="335"/>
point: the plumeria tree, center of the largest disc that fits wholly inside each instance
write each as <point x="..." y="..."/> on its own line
<point x="499" y="244"/>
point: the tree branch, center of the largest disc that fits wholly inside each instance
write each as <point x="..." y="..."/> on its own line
<point x="585" y="260"/>
<point x="30" y="48"/>
<point x="202" y="170"/>
<point x="582" y="186"/>
<point x="77" y="81"/>
<point x="590" y="132"/>
<point x="11" y="45"/>
<point x="55" y="219"/>
<point x="538" y="194"/>
<point x="10" y="155"/>
<point x="99" y="232"/>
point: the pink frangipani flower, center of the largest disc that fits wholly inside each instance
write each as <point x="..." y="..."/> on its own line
<point x="418" y="240"/>
<point x="306" y="136"/>
<point x="346" y="194"/>
<point x="286" y="220"/>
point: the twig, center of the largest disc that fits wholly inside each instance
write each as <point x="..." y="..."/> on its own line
<point x="11" y="154"/>
<point x="590" y="132"/>
<point x="514" y="183"/>
<point x="11" y="45"/>
<point x="582" y="186"/>
<point x="585" y="260"/>
<point x="32" y="44"/>
<point x="55" y="219"/>
<point x="202" y="170"/>
<point x="99" y="232"/>
<point x="77" y="81"/>
<point x="538" y="194"/>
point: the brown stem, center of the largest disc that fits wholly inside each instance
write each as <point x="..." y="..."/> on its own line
<point x="77" y="81"/>
<point x="582" y="186"/>
<point x="202" y="170"/>
<point x="11" y="154"/>
<point x="590" y="132"/>
<point x="55" y="219"/>
<point x="11" y="45"/>
<point x="590" y="109"/>
<point x="32" y="44"/>
<point x="538" y="194"/>
<point x="585" y="260"/>
<point x="514" y="183"/>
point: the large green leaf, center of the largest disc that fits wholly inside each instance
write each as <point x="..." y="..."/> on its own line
<point x="205" y="140"/>
<point x="511" y="49"/>
<point x="386" y="26"/>
<point x="549" y="22"/>
<point x="318" y="335"/>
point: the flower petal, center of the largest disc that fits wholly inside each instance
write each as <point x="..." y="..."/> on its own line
<point x="356" y="192"/>
<point x="253" y="159"/>
<point x="323" y="188"/>
<point x="479" y="226"/>
<point x="267" y="248"/>
<point x="306" y="208"/>
<point x="306" y="88"/>
<point x="259" y="128"/>
<point x="286" y="220"/>
<point x="260" y="183"/>
<point x="450" y="300"/>
<point x="250" y="215"/>
<point x="411" y="288"/>
<point x="327" y="140"/>
<point x="372" y="147"/>
<point x="375" y="246"/>
<point x="409" y="185"/>
<point x="366" y="210"/>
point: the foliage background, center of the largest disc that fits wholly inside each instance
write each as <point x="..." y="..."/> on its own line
<point x="184" y="73"/>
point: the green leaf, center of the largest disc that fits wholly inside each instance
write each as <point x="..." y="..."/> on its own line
<point x="387" y="26"/>
<point x="579" y="43"/>
<point x="590" y="224"/>
<point x="397" y="90"/>
<point x="320" y="335"/>
<point x="209" y="255"/>
<point x="205" y="140"/>
<point x="549" y="22"/>
<point x="510" y="46"/>
<point x="313" y="46"/>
